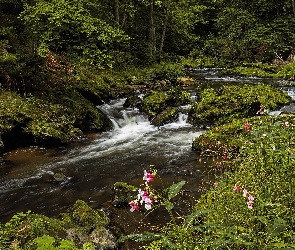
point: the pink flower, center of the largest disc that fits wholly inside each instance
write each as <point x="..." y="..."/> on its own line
<point x="250" y="204"/>
<point x="285" y="124"/>
<point x="147" y="177"/>
<point x="250" y="198"/>
<point x="245" y="193"/>
<point x="219" y="163"/>
<point x="134" y="206"/>
<point x="224" y="157"/>
<point x="215" y="184"/>
<point x="148" y="203"/>
<point x="237" y="188"/>
<point x="247" y="127"/>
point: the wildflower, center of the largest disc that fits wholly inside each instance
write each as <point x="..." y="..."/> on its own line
<point x="134" y="206"/>
<point x="141" y="193"/>
<point x="250" y="204"/>
<point x="219" y="163"/>
<point x="215" y="184"/>
<point x="285" y="124"/>
<point x="250" y="198"/>
<point x="247" y="127"/>
<point x="245" y="193"/>
<point x="224" y="157"/>
<point x="260" y="111"/>
<point x="148" y="202"/>
<point x="237" y="188"/>
<point x="148" y="177"/>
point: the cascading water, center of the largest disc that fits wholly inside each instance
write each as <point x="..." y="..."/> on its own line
<point x="90" y="169"/>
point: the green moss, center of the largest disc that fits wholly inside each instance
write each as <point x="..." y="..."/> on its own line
<point x="23" y="228"/>
<point x="157" y="101"/>
<point x="123" y="193"/>
<point x="167" y="116"/>
<point x="231" y="102"/>
<point x="154" y="103"/>
<point x="28" y="231"/>
<point x="85" y="217"/>
<point x="286" y="71"/>
<point x="59" y="115"/>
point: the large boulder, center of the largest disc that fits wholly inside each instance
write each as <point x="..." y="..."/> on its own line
<point x="169" y="115"/>
<point x="218" y="106"/>
<point x="156" y="102"/>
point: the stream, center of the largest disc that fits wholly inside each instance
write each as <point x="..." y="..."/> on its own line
<point x="89" y="169"/>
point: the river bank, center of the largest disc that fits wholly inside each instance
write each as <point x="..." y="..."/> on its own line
<point x="181" y="168"/>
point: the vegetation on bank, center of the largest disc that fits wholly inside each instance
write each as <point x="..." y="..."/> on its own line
<point x="250" y="201"/>
<point x="285" y="71"/>
<point x="80" y="228"/>
<point x="56" y="65"/>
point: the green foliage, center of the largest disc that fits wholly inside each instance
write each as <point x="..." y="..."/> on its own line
<point x="69" y="26"/>
<point x="29" y="231"/>
<point x="287" y="72"/>
<point x="165" y="71"/>
<point x="222" y="218"/>
<point x="46" y="243"/>
<point x="265" y="169"/>
<point x="229" y="102"/>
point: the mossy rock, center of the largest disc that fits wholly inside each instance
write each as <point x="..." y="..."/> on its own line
<point x="84" y="217"/>
<point x="157" y="101"/>
<point x="51" y="118"/>
<point x="229" y="102"/>
<point x="81" y="226"/>
<point x="167" y="116"/>
<point x="133" y="101"/>
<point x="123" y="194"/>
<point x="154" y="103"/>
<point x="23" y="228"/>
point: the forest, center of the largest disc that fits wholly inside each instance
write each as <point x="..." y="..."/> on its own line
<point x="60" y="59"/>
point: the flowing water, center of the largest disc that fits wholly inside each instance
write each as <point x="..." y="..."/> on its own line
<point x="88" y="170"/>
<point x="48" y="181"/>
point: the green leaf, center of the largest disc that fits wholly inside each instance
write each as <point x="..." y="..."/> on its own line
<point x="169" y="205"/>
<point x="174" y="189"/>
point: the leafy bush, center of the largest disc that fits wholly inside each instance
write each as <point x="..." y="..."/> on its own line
<point x="165" y="71"/>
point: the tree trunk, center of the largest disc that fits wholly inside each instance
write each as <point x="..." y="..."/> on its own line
<point x="164" y="33"/>
<point x="293" y="5"/>
<point x="117" y="17"/>
<point x="152" y="30"/>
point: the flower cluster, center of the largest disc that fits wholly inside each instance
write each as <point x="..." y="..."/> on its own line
<point x="250" y="201"/>
<point x="143" y="197"/>
<point x="148" y="177"/>
<point x="247" y="127"/>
